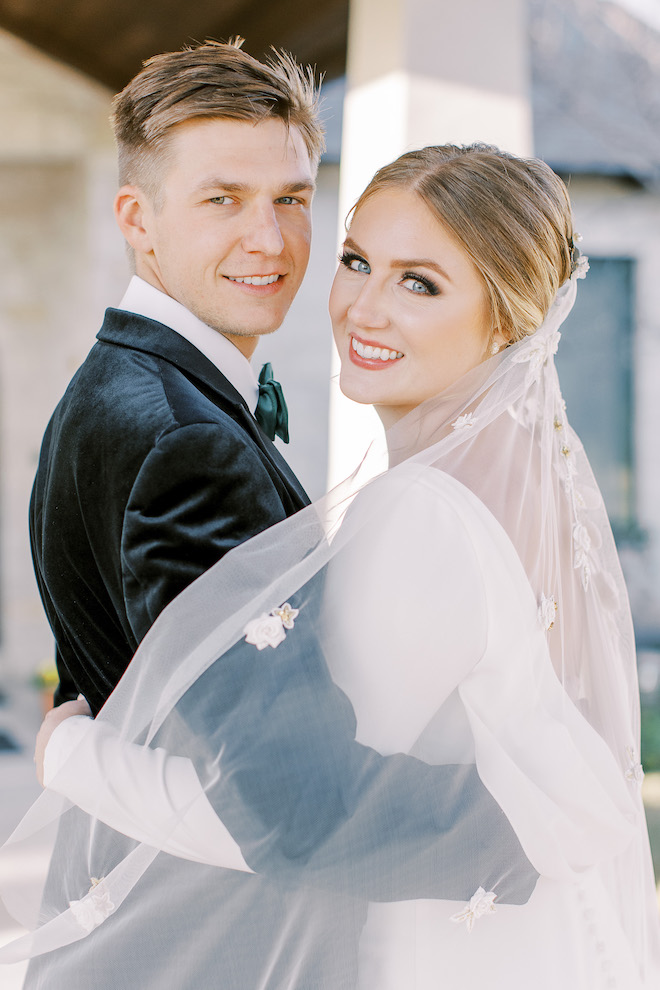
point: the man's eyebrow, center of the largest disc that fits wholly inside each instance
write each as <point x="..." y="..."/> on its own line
<point x="403" y="263"/>
<point x="306" y="185"/>
<point x="217" y="182"/>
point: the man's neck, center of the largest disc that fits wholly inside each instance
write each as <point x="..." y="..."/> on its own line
<point x="246" y="344"/>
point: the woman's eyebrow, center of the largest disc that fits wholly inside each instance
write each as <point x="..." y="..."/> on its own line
<point x="421" y="263"/>
<point x="402" y="263"/>
<point x="352" y="246"/>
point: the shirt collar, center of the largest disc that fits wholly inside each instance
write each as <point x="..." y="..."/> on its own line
<point x="144" y="299"/>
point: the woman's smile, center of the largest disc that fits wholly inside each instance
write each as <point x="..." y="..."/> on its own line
<point x="372" y="355"/>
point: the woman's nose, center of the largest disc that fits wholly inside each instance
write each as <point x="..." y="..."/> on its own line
<point x="368" y="308"/>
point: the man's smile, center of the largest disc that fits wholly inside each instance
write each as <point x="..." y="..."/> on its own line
<point x="254" y="279"/>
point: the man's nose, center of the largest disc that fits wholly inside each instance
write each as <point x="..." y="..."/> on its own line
<point x="262" y="234"/>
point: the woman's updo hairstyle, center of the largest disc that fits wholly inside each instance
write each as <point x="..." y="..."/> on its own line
<point x="511" y="215"/>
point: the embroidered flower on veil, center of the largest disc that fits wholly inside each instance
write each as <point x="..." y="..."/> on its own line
<point x="635" y="772"/>
<point x="481" y="903"/>
<point x="537" y="350"/>
<point x="547" y="612"/>
<point x="464" y="422"/>
<point x="92" y="909"/>
<point x="268" y="628"/>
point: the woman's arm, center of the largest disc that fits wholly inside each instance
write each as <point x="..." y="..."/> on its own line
<point x="147" y="795"/>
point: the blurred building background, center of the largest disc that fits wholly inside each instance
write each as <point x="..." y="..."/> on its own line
<point x="576" y="82"/>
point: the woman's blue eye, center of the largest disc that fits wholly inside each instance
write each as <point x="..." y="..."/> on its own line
<point x="355" y="263"/>
<point x="360" y="266"/>
<point x="420" y="286"/>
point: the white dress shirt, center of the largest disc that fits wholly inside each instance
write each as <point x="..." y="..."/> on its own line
<point x="145" y="300"/>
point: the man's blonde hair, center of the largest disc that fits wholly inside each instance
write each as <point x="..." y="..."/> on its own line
<point x="206" y="81"/>
<point x="511" y="215"/>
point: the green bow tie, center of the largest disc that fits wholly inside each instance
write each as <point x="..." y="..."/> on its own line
<point x="271" y="413"/>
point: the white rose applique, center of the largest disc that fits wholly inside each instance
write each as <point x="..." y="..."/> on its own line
<point x="91" y="910"/>
<point x="481" y="903"/>
<point x="464" y="422"/>
<point x="268" y="629"/>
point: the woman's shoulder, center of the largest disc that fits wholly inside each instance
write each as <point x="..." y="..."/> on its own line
<point x="420" y="487"/>
<point x="423" y="499"/>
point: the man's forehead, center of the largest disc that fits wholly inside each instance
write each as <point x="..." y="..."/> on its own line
<point x="214" y="148"/>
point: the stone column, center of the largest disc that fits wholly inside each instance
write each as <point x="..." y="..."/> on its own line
<point x="424" y="72"/>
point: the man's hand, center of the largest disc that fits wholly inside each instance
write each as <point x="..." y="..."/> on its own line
<point x="54" y="717"/>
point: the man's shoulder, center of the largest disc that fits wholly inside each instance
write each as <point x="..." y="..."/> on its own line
<point x="124" y="405"/>
<point x="142" y="374"/>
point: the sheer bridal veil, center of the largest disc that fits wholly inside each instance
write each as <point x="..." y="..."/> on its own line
<point x="498" y="456"/>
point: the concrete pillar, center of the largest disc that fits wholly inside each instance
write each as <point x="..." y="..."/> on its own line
<point x="424" y="72"/>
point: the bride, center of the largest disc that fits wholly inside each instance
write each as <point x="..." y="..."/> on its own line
<point x="463" y="610"/>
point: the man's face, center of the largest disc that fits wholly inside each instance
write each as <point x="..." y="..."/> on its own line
<point x="231" y="235"/>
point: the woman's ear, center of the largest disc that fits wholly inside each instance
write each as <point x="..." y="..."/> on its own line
<point x="132" y="212"/>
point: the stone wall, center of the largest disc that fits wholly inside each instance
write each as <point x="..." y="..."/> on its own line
<point x="61" y="262"/>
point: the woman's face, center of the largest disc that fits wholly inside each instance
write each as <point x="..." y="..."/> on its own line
<point x="409" y="310"/>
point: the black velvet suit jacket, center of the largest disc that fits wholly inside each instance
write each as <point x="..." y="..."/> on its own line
<point x="152" y="468"/>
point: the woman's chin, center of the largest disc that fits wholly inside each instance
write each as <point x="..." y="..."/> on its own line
<point x="365" y="388"/>
<point x="363" y="396"/>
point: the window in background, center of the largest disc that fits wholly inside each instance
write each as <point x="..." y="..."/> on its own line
<point x="595" y="365"/>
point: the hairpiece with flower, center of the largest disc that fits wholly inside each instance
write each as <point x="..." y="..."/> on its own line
<point x="579" y="261"/>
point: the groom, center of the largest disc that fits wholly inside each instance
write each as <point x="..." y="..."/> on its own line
<point x="154" y="465"/>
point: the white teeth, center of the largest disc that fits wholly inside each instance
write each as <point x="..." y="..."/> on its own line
<point x="374" y="353"/>
<point x="255" y="279"/>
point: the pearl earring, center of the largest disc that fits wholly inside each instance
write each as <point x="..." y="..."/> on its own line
<point x="494" y="347"/>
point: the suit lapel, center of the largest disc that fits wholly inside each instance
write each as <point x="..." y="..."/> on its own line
<point x="139" y="333"/>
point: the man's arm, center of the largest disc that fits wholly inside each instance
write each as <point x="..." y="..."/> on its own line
<point x="202" y="490"/>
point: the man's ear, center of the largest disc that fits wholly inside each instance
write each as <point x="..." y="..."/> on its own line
<point x="132" y="212"/>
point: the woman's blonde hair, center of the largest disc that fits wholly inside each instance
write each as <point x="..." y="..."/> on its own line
<point x="511" y="215"/>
